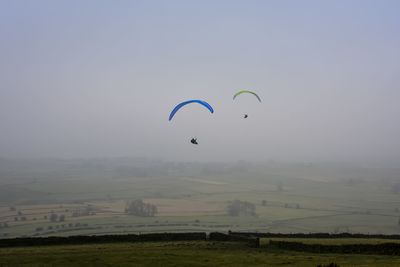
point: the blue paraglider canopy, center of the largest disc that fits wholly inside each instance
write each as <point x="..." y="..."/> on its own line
<point x="179" y="106"/>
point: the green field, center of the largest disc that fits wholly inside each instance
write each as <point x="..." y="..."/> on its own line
<point x="198" y="253"/>
<point x="302" y="198"/>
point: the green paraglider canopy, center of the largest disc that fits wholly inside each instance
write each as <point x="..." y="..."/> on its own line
<point x="248" y="92"/>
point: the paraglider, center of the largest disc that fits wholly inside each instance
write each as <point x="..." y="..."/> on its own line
<point x="179" y="106"/>
<point x="245" y="116"/>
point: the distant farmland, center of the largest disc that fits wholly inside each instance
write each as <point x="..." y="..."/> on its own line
<point x="287" y="198"/>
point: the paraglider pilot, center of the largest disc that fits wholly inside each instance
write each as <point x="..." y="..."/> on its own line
<point x="194" y="141"/>
<point x="245" y="116"/>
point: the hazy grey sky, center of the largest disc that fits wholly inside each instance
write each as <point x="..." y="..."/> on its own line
<point x="99" y="78"/>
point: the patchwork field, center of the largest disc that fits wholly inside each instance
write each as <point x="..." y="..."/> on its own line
<point x="288" y="198"/>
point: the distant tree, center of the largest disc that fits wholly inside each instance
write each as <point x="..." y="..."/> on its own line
<point x="350" y="182"/>
<point x="49" y="227"/>
<point x="396" y="188"/>
<point x="279" y="187"/>
<point x="53" y="217"/>
<point x="23" y="218"/>
<point x="297" y="206"/>
<point x="238" y="207"/>
<point x="398" y="221"/>
<point x="286" y="205"/>
<point x="264" y="203"/>
<point x="12" y="208"/>
<point x="16" y="219"/>
<point x="139" y="208"/>
<point x="45" y="217"/>
<point x="38" y="229"/>
<point x="86" y="211"/>
<point x="61" y="218"/>
<point x="19" y="213"/>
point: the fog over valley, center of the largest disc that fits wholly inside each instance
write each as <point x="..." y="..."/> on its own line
<point x="292" y="124"/>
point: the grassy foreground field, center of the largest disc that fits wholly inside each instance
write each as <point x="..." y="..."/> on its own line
<point x="194" y="253"/>
<point x="331" y="241"/>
